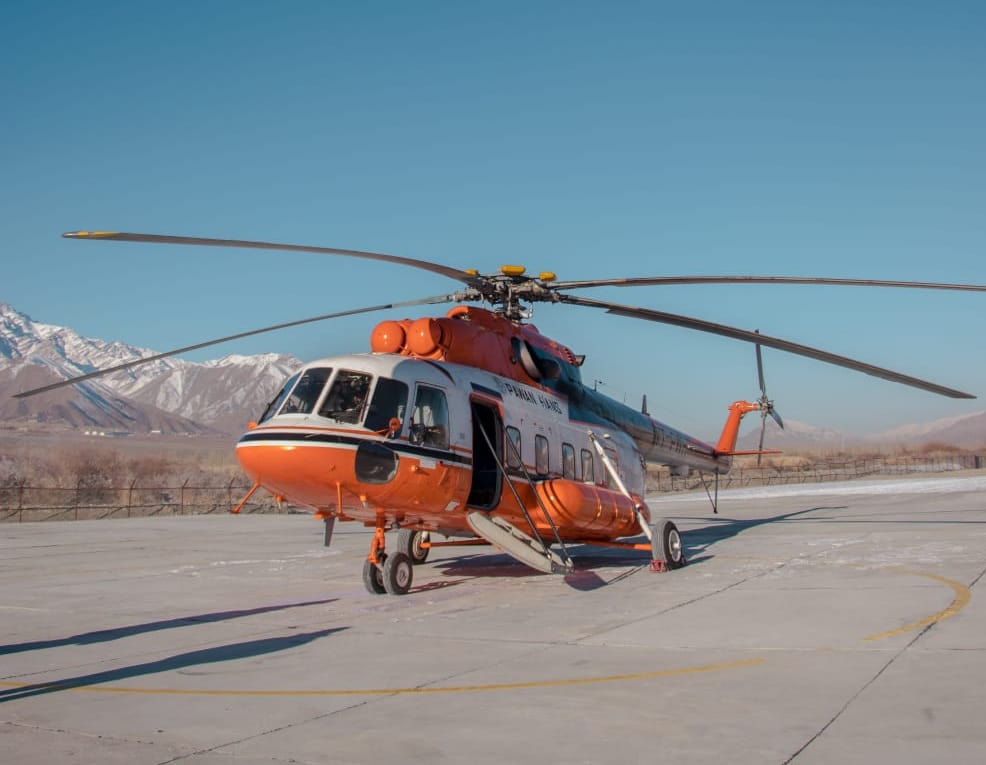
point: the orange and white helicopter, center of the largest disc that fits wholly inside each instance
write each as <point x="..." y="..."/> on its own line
<point x="476" y="427"/>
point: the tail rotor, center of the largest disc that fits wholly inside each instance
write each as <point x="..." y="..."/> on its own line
<point x="766" y="405"/>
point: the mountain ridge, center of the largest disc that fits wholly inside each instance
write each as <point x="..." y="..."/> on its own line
<point x="168" y="395"/>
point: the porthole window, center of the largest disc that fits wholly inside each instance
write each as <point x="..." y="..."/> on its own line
<point x="541" y="455"/>
<point x="568" y="461"/>
<point x="513" y="448"/>
<point x="587" y="474"/>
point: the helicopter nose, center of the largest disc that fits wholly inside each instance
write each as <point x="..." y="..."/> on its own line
<point x="309" y="474"/>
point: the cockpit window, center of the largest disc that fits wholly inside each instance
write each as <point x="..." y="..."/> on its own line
<point x="274" y="405"/>
<point x="306" y="392"/>
<point x="347" y="396"/>
<point x="389" y="402"/>
<point x="429" y="420"/>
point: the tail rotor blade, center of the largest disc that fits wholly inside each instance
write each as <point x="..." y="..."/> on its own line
<point x="777" y="418"/>
<point x="763" y="385"/>
<point x="763" y="431"/>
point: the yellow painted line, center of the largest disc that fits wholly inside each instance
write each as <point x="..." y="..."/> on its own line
<point x="962" y="597"/>
<point x="40" y="687"/>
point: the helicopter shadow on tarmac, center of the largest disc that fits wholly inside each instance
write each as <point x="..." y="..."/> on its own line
<point x="698" y="541"/>
<point x="221" y="653"/>
<point x="117" y="633"/>
<point x="597" y="567"/>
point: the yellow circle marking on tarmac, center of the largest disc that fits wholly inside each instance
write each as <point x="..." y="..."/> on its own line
<point x="396" y="691"/>
<point x="962" y="597"/>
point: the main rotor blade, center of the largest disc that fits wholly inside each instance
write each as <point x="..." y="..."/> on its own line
<point x="771" y="342"/>
<point x="645" y="281"/>
<point x="237" y="336"/>
<point x="119" y="236"/>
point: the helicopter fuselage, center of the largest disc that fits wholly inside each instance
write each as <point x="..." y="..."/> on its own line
<point x="394" y="440"/>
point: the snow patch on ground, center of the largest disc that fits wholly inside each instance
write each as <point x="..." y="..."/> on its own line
<point x="841" y="488"/>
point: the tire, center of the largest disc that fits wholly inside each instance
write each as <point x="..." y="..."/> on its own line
<point x="671" y="545"/>
<point x="373" y="576"/>
<point x="409" y="542"/>
<point x="398" y="573"/>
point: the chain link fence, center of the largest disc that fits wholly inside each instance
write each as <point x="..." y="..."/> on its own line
<point x="20" y="502"/>
<point x="818" y="471"/>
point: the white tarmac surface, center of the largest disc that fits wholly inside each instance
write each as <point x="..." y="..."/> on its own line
<point x="815" y="624"/>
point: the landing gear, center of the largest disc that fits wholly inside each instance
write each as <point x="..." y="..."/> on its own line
<point x="409" y="541"/>
<point x="373" y="577"/>
<point x="387" y="573"/>
<point x="397" y="573"/>
<point x="670" y="540"/>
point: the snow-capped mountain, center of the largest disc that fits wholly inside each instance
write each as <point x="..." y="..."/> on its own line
<point x="967" y="430"/>
<point x="964" y="430"/>
<point x="169" y="394"/>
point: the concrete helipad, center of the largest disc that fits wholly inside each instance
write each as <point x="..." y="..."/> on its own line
<point x="829" y="624"/>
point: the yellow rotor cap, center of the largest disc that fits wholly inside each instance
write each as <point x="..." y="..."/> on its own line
<point x="512" y="270"/>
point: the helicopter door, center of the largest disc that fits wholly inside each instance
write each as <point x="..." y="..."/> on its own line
<point x="487" y="432"/>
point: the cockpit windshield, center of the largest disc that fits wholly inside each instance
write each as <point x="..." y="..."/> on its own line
<point x="274" y="405"/>
<point x="347" y="397"/>
<point x="302" y="399"/>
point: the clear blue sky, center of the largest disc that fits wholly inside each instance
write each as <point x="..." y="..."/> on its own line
<point x="591" y="139"/>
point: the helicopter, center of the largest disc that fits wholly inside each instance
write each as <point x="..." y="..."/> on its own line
<point x="475" y="427"/>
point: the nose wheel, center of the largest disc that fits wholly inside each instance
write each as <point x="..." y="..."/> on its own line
<point x="397" y="574"/>
<point x="382" y="573"/>
<point x="373" y="576"/>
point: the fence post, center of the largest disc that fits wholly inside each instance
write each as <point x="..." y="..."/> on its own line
<point x="130" y="496"/>
<point x="229" y="494"/>
<point x="181" y="498"/>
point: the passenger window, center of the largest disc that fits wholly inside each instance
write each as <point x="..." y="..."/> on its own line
<point x="429" y="420"/>
<point x="347" y="397"/>
<point x="541" y="455"/>
<point x="513" y="448"/>
<point x="274" y="405"/>
<point x="306" y="392"/>
<point x="568" y="461"/>
<point x="587" y="474"/>
<point x="389" y="402"/>
<point x="615" y="460"/>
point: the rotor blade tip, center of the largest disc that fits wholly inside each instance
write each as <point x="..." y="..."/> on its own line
<point x="88" y="234"/>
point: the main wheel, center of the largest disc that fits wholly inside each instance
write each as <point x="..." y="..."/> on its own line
<point x="397" y="573"/>
<point x="409" y="541"/>
<point x="373" y="575"/>
<point x="674" y="552"/>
